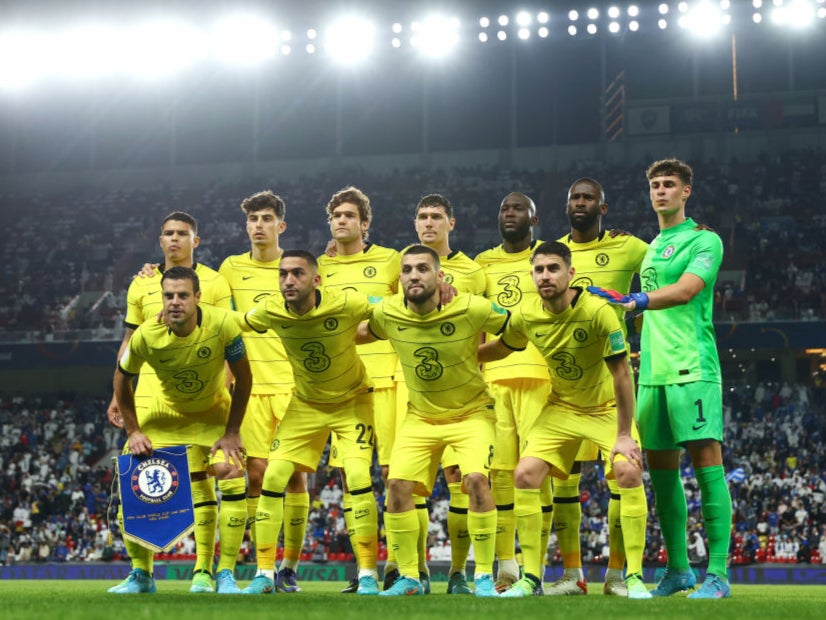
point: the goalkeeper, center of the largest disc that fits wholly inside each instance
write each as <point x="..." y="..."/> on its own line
<point x="679" y="403"/>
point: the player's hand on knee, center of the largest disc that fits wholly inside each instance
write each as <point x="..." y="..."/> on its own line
<point x="628" y="448"/>
<point x="234" y="452"/>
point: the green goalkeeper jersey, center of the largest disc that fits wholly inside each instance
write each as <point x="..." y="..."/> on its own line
<point x="678" y="343"/>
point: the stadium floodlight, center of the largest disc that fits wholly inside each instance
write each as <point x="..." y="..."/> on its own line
<point x="524" y="34"/>
<point x="523" y="18"/>
<point x="310" y="49"/>
<point x="573" y="15"/>
<point x="633" y="25"/>
<point x="286" y="36"/>
<point x="757" y="3"/>
<point x="483" y="37"/>
<point x="25" y="57"/>
<point x="161" y="47"/>
<point x="593" y="13"/>
<point x="396" y="42"/>
<point x="350" y="39"/>
<point x="243" y="39"/>
<point x="312" y="34"/>
<point x="543" y="32"/>
<point x="484" y="22"/>
<point x="502" y="35"/>
<point x="662" y="24"/>
<point x="503" y="20"/>
<point x="613" y="12"/>
<point x="436" y="36"/>
<point x="592" y="29"/>
<point x="614" y="27"/>
<point x="682" y="7"/>
<point x="572" y="30"/>
<point x="757" y="18"/>
<point x="725" y="5"/>
<point x="796" y="14"/>
<point x="286" y="50"/>
<point x="633" y="10"/>
<point x="397" y="28"/>
<point x="663" y="9"/>
<point x="542" y="17"/>
<point x="88" y="50"/>
<point x="703" y="20"/>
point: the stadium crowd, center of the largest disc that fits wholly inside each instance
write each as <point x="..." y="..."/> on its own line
<point x="56" y="482"/>
<point x="761" y="209"/>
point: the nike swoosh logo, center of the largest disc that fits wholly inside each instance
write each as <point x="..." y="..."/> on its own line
<point x="539" y="335"/>
<point x="152" y="292"/>
<point x="168" y="359"/>
<point x="401" y="329"/>
<point x="697" y="427"/>
<point x="330" y="275"/>
<point x="366" y="447"/>
<point x="246" y="277"/>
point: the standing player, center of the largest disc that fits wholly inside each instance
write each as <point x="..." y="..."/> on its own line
<point x="190" y="405"/>
<point x="591" y="398"/>
<point x="332" y="393"/>
<point x="519" y="384"/>
<point x="680" y="393"/>
<point x="434" y="222"/>
<point x="449" y="405"/>
<point x="607" y="260"/>
<point x="373" y="271"/>
<point x="252" y="276"/>
<point x="178" y="240"/>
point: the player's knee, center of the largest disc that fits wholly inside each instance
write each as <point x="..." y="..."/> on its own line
<point x="297" y="483"/>
<point x="526" y="476"/>
<point x="627" y="475"/>
<point x="476" y="485"/>
<point x="358" y="474"/>
<point x="399" y="494"/>
<point x="277" y="475"/>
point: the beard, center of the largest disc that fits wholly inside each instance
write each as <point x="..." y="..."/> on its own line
<point x="584" y="222"/>
<point x="515" y="234"/>
<point x="420" y="297"/>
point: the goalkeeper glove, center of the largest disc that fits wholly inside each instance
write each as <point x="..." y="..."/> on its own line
<point x="615" y="297"/>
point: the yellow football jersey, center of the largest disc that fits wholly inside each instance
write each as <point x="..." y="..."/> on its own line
<point x="144" y="300"/>
<point x="438" y="351"/>
<point x="609" y="262"/>
<point x="190" y="371"/>
<point x="373" y="272"/>
<point x="252" y="281"/>
<point x="509" y="283"/>
<point x="320" y="344"/>
<point x="574" y="344"/>
<point x="463" y="273"/>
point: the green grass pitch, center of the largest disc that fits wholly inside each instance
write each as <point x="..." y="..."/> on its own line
<point x="88" y="600"/>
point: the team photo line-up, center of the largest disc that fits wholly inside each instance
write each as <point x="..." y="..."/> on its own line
<point x="507" y="370"/>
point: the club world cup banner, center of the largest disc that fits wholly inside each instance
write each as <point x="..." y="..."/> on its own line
<point x="156" y="497"/>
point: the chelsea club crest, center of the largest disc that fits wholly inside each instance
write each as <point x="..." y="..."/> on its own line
<point x="155" y="481"/>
